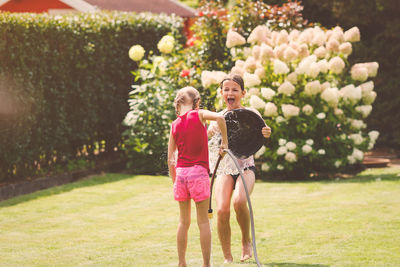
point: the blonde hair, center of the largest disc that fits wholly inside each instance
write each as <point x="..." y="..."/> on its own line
<point x="185" y="96"/>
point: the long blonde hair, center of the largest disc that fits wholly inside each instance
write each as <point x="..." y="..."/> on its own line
<point x="185" y="96"/>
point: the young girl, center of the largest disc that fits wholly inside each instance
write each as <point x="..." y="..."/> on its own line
<point x="228" y="182"/>
<point x="191" y="173"/>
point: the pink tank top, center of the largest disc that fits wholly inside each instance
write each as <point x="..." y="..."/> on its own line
<point x="190" y="136"/>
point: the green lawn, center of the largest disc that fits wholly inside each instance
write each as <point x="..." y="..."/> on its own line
<point x="124" y="220"/>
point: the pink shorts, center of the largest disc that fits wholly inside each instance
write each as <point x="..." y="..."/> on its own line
<point x="192" y="183"/>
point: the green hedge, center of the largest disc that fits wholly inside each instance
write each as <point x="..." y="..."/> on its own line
<point x="64" y="84"/>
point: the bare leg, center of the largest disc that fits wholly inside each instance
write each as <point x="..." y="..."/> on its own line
<point x="205" y="231"/>
<point x="223" y="193"/>
<point x="182" y="233"/>
<point x="242" y="211"/>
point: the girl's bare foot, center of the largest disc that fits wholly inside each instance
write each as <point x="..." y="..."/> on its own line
<point x="228" y="260"/>
<point x="246" y="251"/>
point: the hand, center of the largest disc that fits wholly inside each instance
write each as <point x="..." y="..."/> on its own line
<point x="266" y="131"/>
<point x="222" y="149"/>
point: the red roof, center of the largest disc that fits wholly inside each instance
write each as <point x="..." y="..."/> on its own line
<point x="154" y="6"/>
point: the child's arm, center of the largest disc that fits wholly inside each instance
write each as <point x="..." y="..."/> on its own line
<point x="209" y="115"/>
<point x="171" y="157"/>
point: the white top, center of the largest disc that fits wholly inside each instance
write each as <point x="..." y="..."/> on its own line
<point x="226" y="166"/>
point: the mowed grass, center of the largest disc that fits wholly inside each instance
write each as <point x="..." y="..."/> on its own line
<point x="125" y="220"/>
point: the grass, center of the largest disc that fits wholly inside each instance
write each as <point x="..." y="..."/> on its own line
<point x="124" y="220"/>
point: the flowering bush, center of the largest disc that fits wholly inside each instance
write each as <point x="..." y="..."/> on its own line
<point x="313" y="100"/>
<point x="300" y="80"/>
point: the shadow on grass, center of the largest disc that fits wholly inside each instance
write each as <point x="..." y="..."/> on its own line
<point x="85" y="182"/>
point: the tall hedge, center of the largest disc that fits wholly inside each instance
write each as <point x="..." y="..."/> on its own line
<point x="64" y="84"/>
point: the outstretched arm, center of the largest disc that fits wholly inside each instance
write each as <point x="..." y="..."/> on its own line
<point x="209" y="115"/>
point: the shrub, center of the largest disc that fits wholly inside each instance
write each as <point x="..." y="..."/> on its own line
<point x="69" y="78"/>
<point x="310" y="96"/>
<point x="158" y="78"/>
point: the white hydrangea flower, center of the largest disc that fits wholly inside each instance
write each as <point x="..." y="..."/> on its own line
<point x="291" y="146"/>
<point x="260" y="152"/>
<point x="294" y="35"/>
<point x="372" y="67"/>
<point x="290" y="157"/>
<point x="333" y="45"/>
<point x="338" y="112"/>
<point x="279" y="119"/>
<point x="352" y="35"/>
<point x="271" y="110"/>
<point x="260" y="72"/>
<point x="256" y="102"/>
<point x="238" y="70"/>
<point x="373" y="135"/>
<point x="166" y="44"/>
<point x="331" y="96"/>
<point x="282" y="150"/>
<point x="280" y="167"/>
<point x="265" y="167"/>
<point x="282" y="142"/>
<point x="369" y="98"/>
<point x="290" y="54"/>
<point x="357" y="124"/>
<point x="323" y="66"/>
<point x="306" y="149"/>
<point x="292" y="78"/>
<point x="351" y="93"/>
<point x="282" y="38"/>
<point x="365" y="110"/>
<point x="321" y="115"/>
<point x="336" y="65"/>
<point x="320" y="52"/>
<point x="338" y="163"/>
<point x="351" y="159"/>
<point x="256" y="51"/>
<point x="251" y="80"/>
<point x="306" y="36"/>
<point x="313" y="70"/>
<point x="303" y="51"/>
<point x="357" y="154"/>
<point x="286" y="88"/>
<point x="267" y="93"/>
<point x="359" y="73"/>
<point x="305" y="64"/>
<point x="280" y="67"/>
<point x="309" y="142"/>
<point x="253" y="91"/>
<point x="266" y="52"/>
<point x="321" y="151"/>
<point x="233" y="39"/>
<point x="319" y="37"/>
<point x="307" y="109"/>
<point x="259" y="34"/>
<point x="346" y="48"/>
<point x="312" y="88"/>
<point x="290" y="110"/>
<point x="211" y="77"/>
<point x="357" y="138"/>
<point x="367" y="87"/>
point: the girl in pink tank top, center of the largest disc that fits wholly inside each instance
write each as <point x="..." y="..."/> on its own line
<point x="190" y="170"/>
